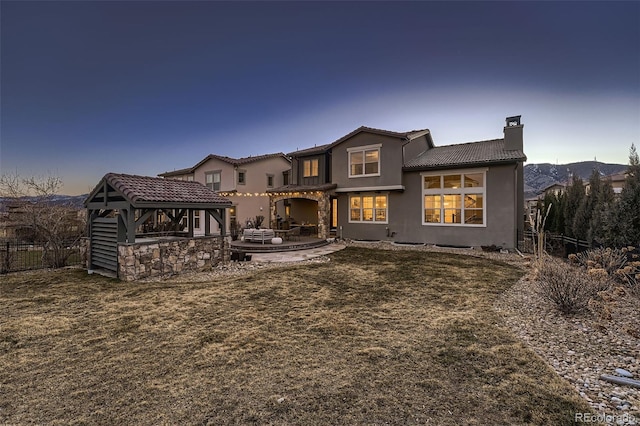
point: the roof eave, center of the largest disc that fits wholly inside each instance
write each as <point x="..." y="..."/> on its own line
<point x="462" y="165"/>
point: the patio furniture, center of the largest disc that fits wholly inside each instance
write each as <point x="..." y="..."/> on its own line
<point x="294" y="233"/>
<point x="261" y="235"/>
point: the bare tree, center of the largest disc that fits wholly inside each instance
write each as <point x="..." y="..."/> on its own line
<point x="39" y="217"/>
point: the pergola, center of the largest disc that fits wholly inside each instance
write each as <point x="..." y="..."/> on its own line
<point x="120" y="203"/>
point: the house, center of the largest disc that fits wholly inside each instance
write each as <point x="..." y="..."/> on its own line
<point x="555" y="189"/>
<point x="617" y="182"/>
<point x="374" y="184"/>
<point x="242" y="180"/>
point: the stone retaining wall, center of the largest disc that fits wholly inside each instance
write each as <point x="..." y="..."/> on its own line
<point x="168" y="257"/>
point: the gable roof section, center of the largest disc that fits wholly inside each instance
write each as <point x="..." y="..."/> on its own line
<point x="465" y="154"/>
<point x="230" y="160"/>
<point x="145" y="190"/>
<point x="407" y="136"/>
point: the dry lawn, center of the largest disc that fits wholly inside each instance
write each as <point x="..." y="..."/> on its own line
<point x="371" y="337"/>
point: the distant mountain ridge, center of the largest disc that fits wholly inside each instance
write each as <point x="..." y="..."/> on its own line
<point x="76" y="201"/>
<point x="539" y="176"/>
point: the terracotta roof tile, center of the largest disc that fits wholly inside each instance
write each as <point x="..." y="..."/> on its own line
<point x="230" y="160"/>
<point x="152" y="189"/>
<point x="322" y="148"/>
<point x="466" y="154"/>
<point x="302" y="188"/>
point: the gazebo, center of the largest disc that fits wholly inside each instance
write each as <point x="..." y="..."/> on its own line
<point x="122" y="204"/>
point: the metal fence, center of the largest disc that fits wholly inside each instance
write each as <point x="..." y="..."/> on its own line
<point x="21" y="256"/>
<point x="556" y="245"/>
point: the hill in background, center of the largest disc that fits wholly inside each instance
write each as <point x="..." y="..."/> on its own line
<point x="539" y="176"/>
<point x="536" y="178"/>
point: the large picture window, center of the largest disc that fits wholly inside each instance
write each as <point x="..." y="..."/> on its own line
<point x="368" y="208"/>
<point x="364" y="161"/>
<point x="454" y="198"/>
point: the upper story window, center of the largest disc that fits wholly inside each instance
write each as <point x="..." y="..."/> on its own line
<point x="242" y="177"/>
<point x="270" y="181"/>
<point x="454" y="198"/>
<point x="364" y="161"/>
<point x="285" y="177"/>
<point x="310" y="168"/>
<point x="213" y="180"/>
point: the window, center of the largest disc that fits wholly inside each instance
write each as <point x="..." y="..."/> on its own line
<point x="196" y="219"/>
<point x="213" y="180"/>
<point x="285" y="177"/>
<point x="368" y="208"/>
<point x="364" y="161"/>
<point x="242" y="177"/>
<point x="310" y="168"/>
<point x="270" y="181"/>
<point x="454" y="198"/>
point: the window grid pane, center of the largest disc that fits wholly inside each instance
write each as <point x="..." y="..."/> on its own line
<point x="452" y="181"/>
<point x="465" y="206"/>
<point x="368" y="208"/>
<point x="432" y="182"/>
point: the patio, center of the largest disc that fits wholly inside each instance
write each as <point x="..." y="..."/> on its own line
<point x="304" y="242"/>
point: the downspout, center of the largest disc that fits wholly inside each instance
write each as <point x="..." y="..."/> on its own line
<point x="517" y="208"/>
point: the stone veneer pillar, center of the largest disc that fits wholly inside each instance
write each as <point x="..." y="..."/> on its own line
<point x="323" y="199"/>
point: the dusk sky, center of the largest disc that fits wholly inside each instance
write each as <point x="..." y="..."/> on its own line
<point x="146" y="87"/>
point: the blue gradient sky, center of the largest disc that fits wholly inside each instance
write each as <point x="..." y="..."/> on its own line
<point x="146" y="87"/>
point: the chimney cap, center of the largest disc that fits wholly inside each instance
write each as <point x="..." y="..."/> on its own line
<point x="513" y="121"/>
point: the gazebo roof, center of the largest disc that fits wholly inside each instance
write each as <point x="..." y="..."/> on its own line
<point x="145" y="191"/>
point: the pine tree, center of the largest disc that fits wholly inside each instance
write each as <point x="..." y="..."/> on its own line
<point x="603" y="203"/>
<point x="575" y="194"/>
<point x="585" y="213"/>
<point x="621" y="225"/>
<point x="629" y="204"/>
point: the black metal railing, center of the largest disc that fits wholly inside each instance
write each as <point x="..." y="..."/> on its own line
<point x="556" y="245"/>
<point x="18" y="255"/>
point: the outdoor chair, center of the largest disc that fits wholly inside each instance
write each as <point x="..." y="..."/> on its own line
<point x="294" y="233"/>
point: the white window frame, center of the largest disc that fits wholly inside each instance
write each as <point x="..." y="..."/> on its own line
<point x="462" y="191"/>
<point x="371" y="195"/>
<point x="363" y="150"/>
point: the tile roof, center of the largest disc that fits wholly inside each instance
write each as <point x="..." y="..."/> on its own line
<point x="152" y="189"/>
<point x="412" y="134"/>
<point x="466" y="154"/>
<point x="302" y="188"/>
<point x="230" y="160"/>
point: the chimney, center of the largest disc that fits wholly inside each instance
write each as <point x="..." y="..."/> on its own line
<point x="513" y="134"/>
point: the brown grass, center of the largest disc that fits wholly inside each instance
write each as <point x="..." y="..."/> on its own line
<point x="371" y="337"/>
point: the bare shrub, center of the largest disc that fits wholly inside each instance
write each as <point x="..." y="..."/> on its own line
<point x="602" y="258"/>
<point x="620" y="264"/>
<point x="569" y="288"/>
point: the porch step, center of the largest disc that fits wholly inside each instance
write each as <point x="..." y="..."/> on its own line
<point x="271" y="248"/>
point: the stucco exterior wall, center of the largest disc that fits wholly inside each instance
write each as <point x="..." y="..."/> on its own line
<point x="390" y="161"/>
<point x="405" y="215"/>
<point x="247" y="207"/>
